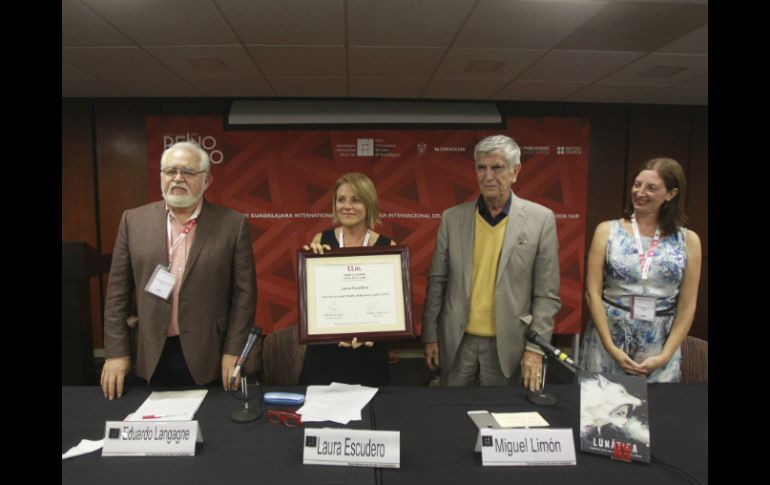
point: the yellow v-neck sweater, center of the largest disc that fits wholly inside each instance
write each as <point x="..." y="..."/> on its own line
<point x="487" y="244"/>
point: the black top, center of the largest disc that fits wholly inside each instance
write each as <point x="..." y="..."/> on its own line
<point x="328" y="237"/>
<point x="327" y="363"/>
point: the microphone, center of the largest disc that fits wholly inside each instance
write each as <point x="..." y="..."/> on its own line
<point x="536" y="339"/>
<point x="253" y="335"/>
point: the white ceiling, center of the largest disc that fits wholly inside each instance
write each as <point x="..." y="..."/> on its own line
<point x="616" y="51"/>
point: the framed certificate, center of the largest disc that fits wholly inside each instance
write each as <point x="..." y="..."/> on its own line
<point x="363" y="292"/>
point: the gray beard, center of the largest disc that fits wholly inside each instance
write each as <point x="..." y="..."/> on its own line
<point x="180" y="201"/>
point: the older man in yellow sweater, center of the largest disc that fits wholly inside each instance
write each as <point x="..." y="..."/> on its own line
<point x="495" y="270"/>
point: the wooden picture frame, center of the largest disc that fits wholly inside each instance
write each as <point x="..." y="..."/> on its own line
<point x="363" y="292"/>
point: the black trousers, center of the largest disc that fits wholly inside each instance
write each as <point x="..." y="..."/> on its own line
<point x="172" y="370"/>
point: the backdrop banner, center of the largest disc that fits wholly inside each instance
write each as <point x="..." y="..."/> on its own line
<point x="282" y="180"/>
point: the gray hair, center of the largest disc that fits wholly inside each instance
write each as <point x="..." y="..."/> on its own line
<point x="203" y="156"/>
<point x="499" y="143"/>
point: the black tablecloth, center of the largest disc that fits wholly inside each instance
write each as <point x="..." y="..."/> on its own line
<point x="437" y="437"/>
<point x="437" y="440"/>
<point x="253" y="453"/>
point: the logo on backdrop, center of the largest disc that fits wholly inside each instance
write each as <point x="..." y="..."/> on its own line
<point x="536" y="150"/>
<point x="569" y="150"/>
<point x="376" y="147"/>
<point x="365" y="147"/>
<point x="207" y="142"/>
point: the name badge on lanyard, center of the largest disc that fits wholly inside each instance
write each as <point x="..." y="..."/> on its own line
<point x="643" y="308"/>
<point x="162" y="281"/>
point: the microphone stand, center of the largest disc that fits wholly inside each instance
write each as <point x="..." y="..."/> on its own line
<point x="541" y="397"/>
<point x="247" y="392"/>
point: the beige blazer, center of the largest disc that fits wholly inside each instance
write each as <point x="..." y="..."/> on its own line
<point x="527" y="281"/>
<point x="217" y="299"/>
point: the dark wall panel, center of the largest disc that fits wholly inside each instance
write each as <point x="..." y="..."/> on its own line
<point x="606" y="171"/>
<point x="697" y="210"/>
<point x="121" y="153"/>
<point x="700" y="326"/>
<point x="78" y="208"/>
<point x="657" y="131"/>
<point x="78" y="192"/>
<point x="698" y="179"/>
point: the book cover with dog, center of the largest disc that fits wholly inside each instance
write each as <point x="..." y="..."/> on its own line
<point x="614" y="418"/>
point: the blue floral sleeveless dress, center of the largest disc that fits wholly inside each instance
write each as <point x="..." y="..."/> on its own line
<point x="622" y="279"/>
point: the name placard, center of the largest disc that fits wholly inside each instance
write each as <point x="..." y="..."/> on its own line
<point x="143" y="438"/>
<point x="352" y="447"/>
<point x="527" y="447"/>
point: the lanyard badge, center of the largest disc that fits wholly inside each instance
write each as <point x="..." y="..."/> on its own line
<point x="162" y="281"/>
<point x="643" y="308"/>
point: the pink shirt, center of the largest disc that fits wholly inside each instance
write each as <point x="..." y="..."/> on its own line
<point x="178" y="260"/>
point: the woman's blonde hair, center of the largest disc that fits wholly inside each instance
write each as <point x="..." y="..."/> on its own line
<point x="364" y="188"/>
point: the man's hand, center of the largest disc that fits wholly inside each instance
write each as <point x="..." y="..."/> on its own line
<point x="431" y="355"/>
<point x="228" y="364"/>
<point x="114" y="376"/>
<point x="531" y="370"/>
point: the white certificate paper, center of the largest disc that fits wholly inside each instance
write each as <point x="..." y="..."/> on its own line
<point x="350" y="294"/>
<point x="355" y="294"/>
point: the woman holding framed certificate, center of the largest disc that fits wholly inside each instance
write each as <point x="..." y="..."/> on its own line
<point x="356" y="209"/>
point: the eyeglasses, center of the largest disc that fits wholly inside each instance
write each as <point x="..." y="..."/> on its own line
<point x="184" y="172"/>
<point x="288" y="418"/>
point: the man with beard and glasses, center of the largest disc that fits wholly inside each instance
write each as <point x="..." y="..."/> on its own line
<point x="183" y="274"/>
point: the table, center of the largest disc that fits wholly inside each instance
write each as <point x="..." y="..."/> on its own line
<point x="437" y="437"/>
<point x="437" y="441"/>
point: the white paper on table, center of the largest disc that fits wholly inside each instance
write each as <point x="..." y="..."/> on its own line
<point x="169" y="406"/>
<point x="85" y="446"/>
<point x="336" y="402"/>
<point x="520" y="420"/>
